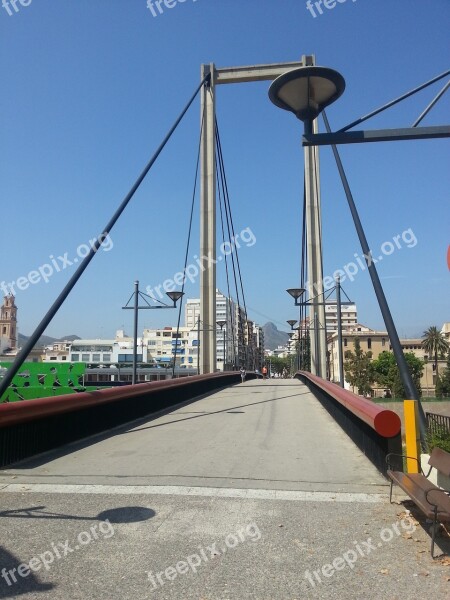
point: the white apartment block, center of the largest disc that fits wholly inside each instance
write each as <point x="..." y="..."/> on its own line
<point x="349" y="316"/>
<point x="162" y="344"/>
<point x="225" y="311"/>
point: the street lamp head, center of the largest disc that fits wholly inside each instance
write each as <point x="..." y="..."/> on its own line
<point x="175" y="296"/>
<point x="296" y="292"/>
<point x="221" y="323"/>
<point x="306" y="91"/>
<point x="291" y="323"/>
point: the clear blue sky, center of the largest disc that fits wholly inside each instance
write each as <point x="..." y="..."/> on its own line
<point x="89" y="89"/>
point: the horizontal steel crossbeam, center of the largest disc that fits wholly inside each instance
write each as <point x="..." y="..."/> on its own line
<point x="376" y="135"/>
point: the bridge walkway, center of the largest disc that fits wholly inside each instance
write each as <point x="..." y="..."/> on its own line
<point x="251" y="492"/>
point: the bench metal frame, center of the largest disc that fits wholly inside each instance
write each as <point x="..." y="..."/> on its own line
<point x="435" y="489"/>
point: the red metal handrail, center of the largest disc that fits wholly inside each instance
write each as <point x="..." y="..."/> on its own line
<point x="385" y="422"/>
<point x="29" y="410"/>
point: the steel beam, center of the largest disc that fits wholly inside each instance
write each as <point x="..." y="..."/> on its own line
<point x="254" y="72"/>
<point x="376" y="135"/>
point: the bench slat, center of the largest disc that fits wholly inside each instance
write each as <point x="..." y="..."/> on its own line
<point x="416" y="486"/>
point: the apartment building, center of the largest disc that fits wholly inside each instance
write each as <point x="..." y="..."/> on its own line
<point x="378" y="342"/>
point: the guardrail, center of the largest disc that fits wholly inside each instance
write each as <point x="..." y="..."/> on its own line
<point x="375" y="430"/>
<point x="438" y="424"/>
<point x="34" y="426"/>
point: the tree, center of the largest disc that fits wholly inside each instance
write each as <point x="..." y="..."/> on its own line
<point x="303" y="347"/>
<point x="434" y="343"/>
<point x="443" y="382"/>
<point x="278" y="365"/>
<point x="387" y="373"/>
<point x="359" y="369"/>
<point x="415" y="366"/>
<point x="382" y="367"/>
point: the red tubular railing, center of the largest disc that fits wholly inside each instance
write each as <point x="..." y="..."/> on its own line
<point x="385" y="422"/>
<point x="15" y="413"/>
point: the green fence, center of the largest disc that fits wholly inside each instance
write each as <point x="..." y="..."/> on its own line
<point x="41" y="380"/>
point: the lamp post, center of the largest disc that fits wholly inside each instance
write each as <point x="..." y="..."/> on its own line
<point x="292" y="323"/>
<point x="297" y="294"/>
<point x="306" y="91"/>
<point x="174" y="296"/>
<point x="283" y="95"/>
<point x="339" y="327"/>
<point x="221" y="323"/>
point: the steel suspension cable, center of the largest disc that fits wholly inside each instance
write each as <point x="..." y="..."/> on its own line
<point x="231" y="221"/>
<point x="188" y="245"/>
<point x="233" y="331"/>
<point x="32" y="340"/>
<point x="230" y="228"/>
<point x="222" y="191"/>
<point x="302" y="308"/>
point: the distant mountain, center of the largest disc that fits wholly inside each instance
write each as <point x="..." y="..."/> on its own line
<point x="46" y="340"/>
<point x="274" y="338"/>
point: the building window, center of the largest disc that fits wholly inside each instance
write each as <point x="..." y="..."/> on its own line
<point x="75" y="357"/>
<point x="85" y="357"/>
<point x="107" y="358"/>
<point x="383" y="342"/>
<point x="96" y="358"/>
<point x="345" y="342"/>
<point x="123" y="358"/>
<point x="369" y="343"/>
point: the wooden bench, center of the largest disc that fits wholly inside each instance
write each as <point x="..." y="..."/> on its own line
<point x="433" y="501"/>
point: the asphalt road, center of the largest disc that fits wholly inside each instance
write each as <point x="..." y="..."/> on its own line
<point x="252" y="492"/>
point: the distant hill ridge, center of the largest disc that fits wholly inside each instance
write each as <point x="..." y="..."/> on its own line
<point x="273" y="337"/>
<point x="46" y="340"/>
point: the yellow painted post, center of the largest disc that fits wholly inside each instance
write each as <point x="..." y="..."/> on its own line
<point x="412" y="435"/>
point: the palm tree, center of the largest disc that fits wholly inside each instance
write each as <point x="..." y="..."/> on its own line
<point x="434" y="343"/>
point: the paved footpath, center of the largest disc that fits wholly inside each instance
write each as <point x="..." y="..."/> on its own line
<point x="253" y="492"/>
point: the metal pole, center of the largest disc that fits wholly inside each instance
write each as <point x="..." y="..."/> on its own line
<point x="396" y="101"/>
<point x="224" y="348"/>
<point x="135" y="330"/>
<point x="339" y="324"/>
<point x="314" y="253"/>
<point x="198" y="345"/>
<point x="432" y="103"/>
<point x="405" y="375"/>
<point x="316" y="341"/>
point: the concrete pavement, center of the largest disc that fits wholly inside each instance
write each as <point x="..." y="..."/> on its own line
<point x="251" y="492"/>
